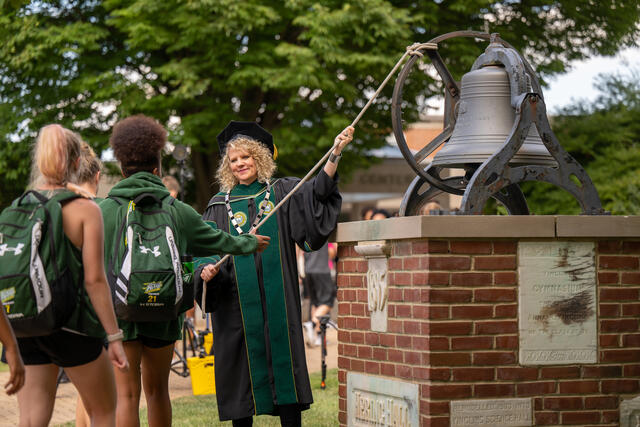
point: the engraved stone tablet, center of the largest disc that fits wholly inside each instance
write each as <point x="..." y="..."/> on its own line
<point x="376" y="401"/>
<point x="377" y="290"/>
<point x="630" y="412"/>
<point x="494" y="412"/>
<point x="557" y="303"/>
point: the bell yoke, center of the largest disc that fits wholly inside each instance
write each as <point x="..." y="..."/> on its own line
<point x="488" y="132"/>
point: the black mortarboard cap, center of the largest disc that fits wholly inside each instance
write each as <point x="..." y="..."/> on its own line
<point x="250" y="129"/>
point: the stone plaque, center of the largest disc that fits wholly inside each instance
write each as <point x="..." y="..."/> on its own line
<point x="557" y="303"/>
<point x="376" y="401"/>
<point x="494" y="412"/>
<point x="630" y="412"/>
<point x="377" y="290"/>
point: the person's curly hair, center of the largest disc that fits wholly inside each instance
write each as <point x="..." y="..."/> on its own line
<point x="265" y="165"/>
<point x="137" y="143"/>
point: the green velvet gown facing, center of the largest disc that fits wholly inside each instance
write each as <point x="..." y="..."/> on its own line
<point x="255" y="299"/>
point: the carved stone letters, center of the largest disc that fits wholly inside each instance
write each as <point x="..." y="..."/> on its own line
<point x="376" y="254"/>
<point x="557" y="310"/>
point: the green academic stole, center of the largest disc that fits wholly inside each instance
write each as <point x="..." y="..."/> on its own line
<point x="276" y="310"/>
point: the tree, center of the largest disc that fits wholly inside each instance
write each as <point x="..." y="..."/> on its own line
<point x="301" y="68"/>
<point x="604" y="136"/>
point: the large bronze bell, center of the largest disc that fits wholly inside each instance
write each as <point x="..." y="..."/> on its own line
<point x="495" y="131"/>
<point x="484" y="121"/>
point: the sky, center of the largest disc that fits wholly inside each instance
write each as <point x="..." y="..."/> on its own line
<point x="578" y="83"/>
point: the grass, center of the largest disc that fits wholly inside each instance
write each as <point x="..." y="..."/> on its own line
<point x="203" y="410"/>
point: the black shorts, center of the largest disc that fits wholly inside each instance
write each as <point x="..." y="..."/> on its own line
<point x="152" y="342"/>
<point x="321" y="288"/>
<point x="61" y="348"/>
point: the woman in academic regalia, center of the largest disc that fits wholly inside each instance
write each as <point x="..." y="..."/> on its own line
<point x="260" y="361"/>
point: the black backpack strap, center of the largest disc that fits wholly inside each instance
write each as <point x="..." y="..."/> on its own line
<point x="147" y="196"/>
<point x="170" y="200"/>
<point x="42" y="199"/>
<point x="64" y="196"/>
<point x="118" y="200"/>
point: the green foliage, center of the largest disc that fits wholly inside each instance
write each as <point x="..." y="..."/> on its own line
<point x="604" y="136"/>
<point x="14" y="164"/>
<point x="303" y="68"/>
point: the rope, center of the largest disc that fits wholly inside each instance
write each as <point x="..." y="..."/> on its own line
<point x="413" y="50"/>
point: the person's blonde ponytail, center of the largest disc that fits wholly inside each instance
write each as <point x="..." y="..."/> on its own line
<point x="55" y="156"/>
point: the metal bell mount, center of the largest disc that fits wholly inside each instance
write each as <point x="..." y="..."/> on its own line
<point x="488" y="132"/>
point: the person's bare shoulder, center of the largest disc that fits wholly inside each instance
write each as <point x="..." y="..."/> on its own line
<point x="83" y="208"/>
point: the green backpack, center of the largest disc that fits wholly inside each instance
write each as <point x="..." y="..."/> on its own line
<point x="37" y="287"/>
<point x="145" y="271"/>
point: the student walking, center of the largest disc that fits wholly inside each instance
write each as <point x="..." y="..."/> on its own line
<point x="78" y="345"/>
<point x="137" y="143"/>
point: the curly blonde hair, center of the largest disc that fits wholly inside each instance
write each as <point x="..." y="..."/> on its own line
<point x="265" y="165"/>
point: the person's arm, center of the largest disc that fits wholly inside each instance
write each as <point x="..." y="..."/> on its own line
<point x="342" y="140"/>
<point x="12" y="353"/>
<point x="216" y="286"/>
<point x="203" y="240"/>
<point x="95" y="282"/>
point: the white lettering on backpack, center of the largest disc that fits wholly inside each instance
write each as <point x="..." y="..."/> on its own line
<point x="16" y="251"/>
<point x="155" y="251"/>
<point x="175" y="260"/>
<point x="39" y="281"/>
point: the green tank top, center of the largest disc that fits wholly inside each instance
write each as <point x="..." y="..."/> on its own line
<point x="83" y="320"/>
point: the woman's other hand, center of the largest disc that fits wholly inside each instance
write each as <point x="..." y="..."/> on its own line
<point x="209" y="271"/>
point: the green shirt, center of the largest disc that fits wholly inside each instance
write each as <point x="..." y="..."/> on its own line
<point x="194" y="237"/>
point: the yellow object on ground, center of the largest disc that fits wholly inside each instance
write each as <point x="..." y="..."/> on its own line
<point x="203" y="379"/>
<point x="208" y="342"/>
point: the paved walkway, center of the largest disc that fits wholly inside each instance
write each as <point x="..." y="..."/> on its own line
<point x="65" y="406"/>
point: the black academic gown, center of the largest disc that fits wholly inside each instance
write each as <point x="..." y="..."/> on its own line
<point x="255" y="299"/>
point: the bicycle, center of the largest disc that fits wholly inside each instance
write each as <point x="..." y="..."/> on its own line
<point x="192" y="340"/>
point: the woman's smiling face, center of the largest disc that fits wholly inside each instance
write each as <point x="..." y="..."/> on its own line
<point x="243" y="167"/>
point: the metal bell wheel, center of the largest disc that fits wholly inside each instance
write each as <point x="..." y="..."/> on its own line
<point x="488" y="132"/>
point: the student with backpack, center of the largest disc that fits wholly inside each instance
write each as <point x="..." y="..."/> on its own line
<point x="54" y="289"/>
<point x="87" y="178"/>
<point x="149" y="231"/>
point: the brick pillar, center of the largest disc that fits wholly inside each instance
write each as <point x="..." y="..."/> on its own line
<point x="453" y="328"/>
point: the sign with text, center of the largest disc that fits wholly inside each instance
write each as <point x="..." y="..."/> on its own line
<point x="557" y="303"/>
<point x="491" y="412"/>
<point x="376" y="401"/>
